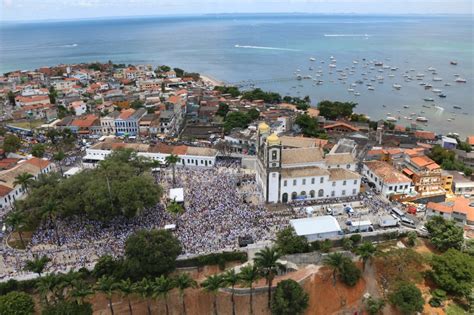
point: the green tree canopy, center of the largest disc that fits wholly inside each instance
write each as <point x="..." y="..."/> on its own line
<point x="309" y="126"/>
<point x="407" y="298"/>
<point x="289" y="243"/>
<point x="259" y="94"/>
<point x="335" y="110"/>
<point x="445" y="234"/>
<point x="38" y="150"/>
<point x="68" y="307"/>
<point x="151" y="253"/>
<point x="11" y="143"/>
<point x="453" y="271"/>
<point x="289" y="299"/>
<point x="232" y="90"/>
<point x="236" y="120"/>
<point x="37" y="265"/>
<point x="222" y="110"/>
<point x="16" y="303"/>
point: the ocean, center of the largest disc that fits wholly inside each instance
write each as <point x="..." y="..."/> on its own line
<point x="270" y="49"/>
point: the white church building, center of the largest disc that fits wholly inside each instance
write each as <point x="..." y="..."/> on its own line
<point x="295" y="168"/>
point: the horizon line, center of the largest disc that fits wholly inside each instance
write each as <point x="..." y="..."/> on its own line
<point x="119" y="17"/>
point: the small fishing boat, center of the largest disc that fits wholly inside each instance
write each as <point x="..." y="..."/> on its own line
<point x="421" y="119"/>
<point x="461" y="80"/>
<point x="457" y="107"/>
<point x="428" y="99"/>
<point x="442" y="95"/>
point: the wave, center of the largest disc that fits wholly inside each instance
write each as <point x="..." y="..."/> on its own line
<point x="347" y="35"/>
<point x="264" y="47"/>
<point x="69" y="45"/>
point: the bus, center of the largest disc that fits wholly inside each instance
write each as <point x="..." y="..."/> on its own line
<point x="397" y="212"/>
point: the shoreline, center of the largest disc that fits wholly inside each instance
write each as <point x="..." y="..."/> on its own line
<point x="211" y="80"/>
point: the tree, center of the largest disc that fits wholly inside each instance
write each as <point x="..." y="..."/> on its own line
<point x="182" y="282"/>
<point x="80" y="290"/>
<point x="24" y="180"/>
<point x="309" y="126"/>
<point x="258" y="94"/>
<point x="212" y="284"/>
<point x="407" y="298"/>
<point x="136" y="104"/>
<point x="253" y="114"/>
<point x="289" y="299"/>
<point x="50" y="212"/>
<point x="335" y="110"/>
<point x="11" y="98"/>
<point x="161" y="288"/>
<point x="236" y="120"/>
<point x="17" y="303"/>
<point x="145" y="289"/>
<point x="59" y="157"/>
<point x="175" y="208"/>
<point x="11" y="143"/>
<point x="37" y="265"/>
<point x="374" y="306"/>
<point x="453" y="271"/>
<point x="411" y="238"/>
<point x="335" y="261"/>
<point x="179" y="72"/>
<point x="67" y="307"/>
<point x="445" y="234"/>
<point x="267" y="262"/>
<point x="288" y="242"/>
<point x="248" y="275"/>
<point x="231" y="278"/>
<point x="172" y="159"/>
<point x="16" y="219"/>
<point x="38" y="150"/>
<point x="151" y="253"/>
<point x="46" y="286"/>
<point x="222" y="110"/>
<point x="53" y="94"/>
<point x="126" y="288"/>
<point x="106" y="285"/>
<point x="350" y="274"/>
<point x="366" y="251"/>
<point x="232" y="90"/>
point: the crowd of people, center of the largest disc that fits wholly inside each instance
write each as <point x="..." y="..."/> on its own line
<point x="221" y="205"/>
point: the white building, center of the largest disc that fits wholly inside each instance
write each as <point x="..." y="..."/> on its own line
<point x="298" y="170"/>
<point x="387" y="179"/>
<point x="189" y="156"/>
<point x="317" y="228"/>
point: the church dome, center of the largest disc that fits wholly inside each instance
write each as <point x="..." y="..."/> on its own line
<point x="273" y="139"/>
<point x="263" y="127"/>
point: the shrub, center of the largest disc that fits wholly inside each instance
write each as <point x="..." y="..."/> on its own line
<point x="288" y="242"/>
<point x="407" y="298"/>
<point x="347" y="244"/>
<point x="16" y="303"/>
<point x="316" y="245"/>
<point x="68" y="307"/>
<point x="350" y="274"/>
<point x="437" y="298"/>
<point x="326" y="245"/>
<point x="355" y="238"/>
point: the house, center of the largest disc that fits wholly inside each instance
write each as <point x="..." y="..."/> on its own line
<point x="470" y="141"/>
<point x="86" y="125"/>
<point x="79" y="107"/>
<point x="458" y="209"/>
<point x="387" y="179"/>
<point x="465" y="157"/>
<point x="447" y="180"/>
<point x="462" y="185"/>
<point x="426" y="136"/>
<point x="449" y="143"/>
<point x="9" y="192"/>
<point x="146" y="123"/>
<point x="340" y="127"/>
<point x="425" y="174"/>
<point x="317" y="228"/>
<point x="108" y="123"/>
<point x="127" y="123"/>
<point x="31" y="100"/>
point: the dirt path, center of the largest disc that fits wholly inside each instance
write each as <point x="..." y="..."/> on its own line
<point x="370" y="276"/>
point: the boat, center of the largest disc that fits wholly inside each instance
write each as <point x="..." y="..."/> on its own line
<point x="397" y="86"/>
<point x="350" y="90"/>
<point x="431" y="69"/>
<point x="406" y="106"/>
<point x="453" y="62"/>
<point x="391" y="75"/>
<point x="356" y="93"/>
<point x="447" y="84"/>
<point x="457" y="107"/>
<point x="391" y="119"/>
<point x="355" y="62"/>
<point x="428" y="86"/>
<point x="370" y="88"/>
<point x="436" y="90"/>
<point x="442" y="95"/>
<point x="420" y="75"/>
<point x="437" y="79"/>
<point x="428" y="99"/>
<point x="332" y="65"/>
<point x="394" y="68"/>
<point x="378" y="64"/>
<point x="421" y="119"/>
<point x="461" y="80"/>
<point x="312" y="59"/>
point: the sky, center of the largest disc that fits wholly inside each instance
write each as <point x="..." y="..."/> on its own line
<point x="30" y="10"/>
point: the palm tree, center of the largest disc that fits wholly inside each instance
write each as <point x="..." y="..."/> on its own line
<point x="336" y="262"/>
<point x="37" y="265"/>
<point x="145" y="289"/>
<point x="232" y="278"/>
<point x="172" y="160"/>
<point x="212" y="284"/>
<point x="161" y="288"/>
<point x="58" y="157"/>
<point x="50" y="212"/>
<point x="24" y="180"/>
<point x="268" y="265"/>
<point x="16" y="220"/>
<point x="80" y="290"/>
<point x="106" y="285"/>
<point x="366" y="251"/>
<point x="174" y="208"/>
<point x="248" y="275"/>
<point x="126" y="288"/>
<point x="46" y="285"/>
<point x="184" y="281"/>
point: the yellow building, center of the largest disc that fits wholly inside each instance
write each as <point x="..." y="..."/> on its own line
<point x="447" y="182"/>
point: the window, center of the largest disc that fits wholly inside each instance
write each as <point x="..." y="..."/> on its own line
<point x="274" y="155"/>
<point x="285" y="182"/>
<point x="312" y="180"/>
<point x="320" y="193"/>
<point x="343" y="192"/>
<point x="348" y="166"/>
<point x="390" y="187"/>
<point x="354" y="191"/>
<point x="406" y="186"/>
<point x="333" y="193"/>
<point x="344" y="183"/>
<point x="355" y="181"/>
<point x="311" y="193"/>
<point x="303" y="193"/>
<point x="304" y="181"/>
<point x="321" y="180"/>
<point x="333" y="184"/>
<point x="294" y="182"/>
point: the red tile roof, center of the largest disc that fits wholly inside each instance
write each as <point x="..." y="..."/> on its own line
<point x="341" y="124"/>
<point x="124" y="114"/>
<point x="470" y="140"/>
<point x="426" y="135"/>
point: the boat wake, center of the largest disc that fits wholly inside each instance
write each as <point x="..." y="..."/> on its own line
<point x="347" y="35"/>
<point x="264" y="47"/>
